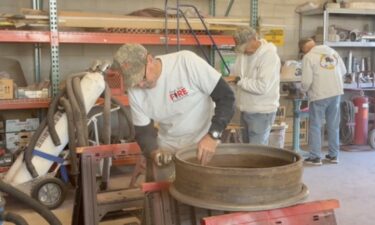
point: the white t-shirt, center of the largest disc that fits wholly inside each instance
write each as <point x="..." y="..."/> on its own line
<point x="180" y="102"/>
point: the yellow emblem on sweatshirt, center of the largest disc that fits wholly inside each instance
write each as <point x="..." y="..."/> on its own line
<point x="328" y="62"/>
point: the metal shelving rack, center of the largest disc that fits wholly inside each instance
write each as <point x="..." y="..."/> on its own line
<point x="34" y="103"/>
<point x="346" y="13"/>
<point x="326" y="19"/>
<point x="54" y="37"/>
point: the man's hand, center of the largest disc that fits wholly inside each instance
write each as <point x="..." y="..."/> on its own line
<point x="162" y="157"/>
<point x="232" y="79"/>
<point x="206" y="149"/>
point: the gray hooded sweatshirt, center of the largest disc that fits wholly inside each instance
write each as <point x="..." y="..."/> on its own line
<point x="258" y="88"/>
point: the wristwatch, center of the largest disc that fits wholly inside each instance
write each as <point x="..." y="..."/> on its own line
<point x="215" y="134"/>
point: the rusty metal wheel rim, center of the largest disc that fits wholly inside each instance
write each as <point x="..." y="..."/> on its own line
<point x="230" y="207"/>
<point x="214" y="183"/>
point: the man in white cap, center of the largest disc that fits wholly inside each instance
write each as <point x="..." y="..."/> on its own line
<point x="182" y="93"/>
<point x="257" y="67"/>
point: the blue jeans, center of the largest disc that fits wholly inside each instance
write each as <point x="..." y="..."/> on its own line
<point x="257" y="127"/>
<point x="330" y="109"/>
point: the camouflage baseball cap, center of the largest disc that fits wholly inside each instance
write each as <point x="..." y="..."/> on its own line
<point x="241" y="37"/>
<point x="130" y="61"/>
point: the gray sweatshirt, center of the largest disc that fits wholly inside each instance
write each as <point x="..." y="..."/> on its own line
<point x="258" y="88"/>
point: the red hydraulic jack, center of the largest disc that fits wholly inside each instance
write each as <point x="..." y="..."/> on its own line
<point x="310" y="213"/>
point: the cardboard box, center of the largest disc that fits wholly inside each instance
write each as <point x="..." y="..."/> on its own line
<point x="16" y="140"/>
<point x="6" y="88"/>
<point x="17" y="125"/>
<point x="27" y="93"/>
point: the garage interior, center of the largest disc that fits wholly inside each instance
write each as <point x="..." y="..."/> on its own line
<point x="44" y="43"/>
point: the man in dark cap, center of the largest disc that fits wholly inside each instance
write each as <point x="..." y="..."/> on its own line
<point x="182" y="93"/>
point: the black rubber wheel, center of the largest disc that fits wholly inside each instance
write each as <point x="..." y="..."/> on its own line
<point x="371" y="138"/>
<point x="50" y="192"/>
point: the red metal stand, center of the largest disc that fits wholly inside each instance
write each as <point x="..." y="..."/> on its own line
<point x="90" y="206"/>
<point x="155" y="186"/>
<point x="24" y="103"/>
<point x="310" y="213"/>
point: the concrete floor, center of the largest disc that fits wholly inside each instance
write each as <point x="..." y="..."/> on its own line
<point x="352" y="182"/>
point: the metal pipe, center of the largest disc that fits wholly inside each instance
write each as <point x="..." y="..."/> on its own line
<point x="350" y="62"/>
<point x="166" y="25"/>
<point x="229" y="7"/>
<point x="254" y="13"/>
<point x="193" y="33"/>
<point x="213" y="7"/>
<point x="37" y="61"/>
<point x="36" y="4"/>
<point x="178" y="25"/>
<point x="326" y="25"/>
<point x="54" y="35"/>
<point x="209" y="34"/>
